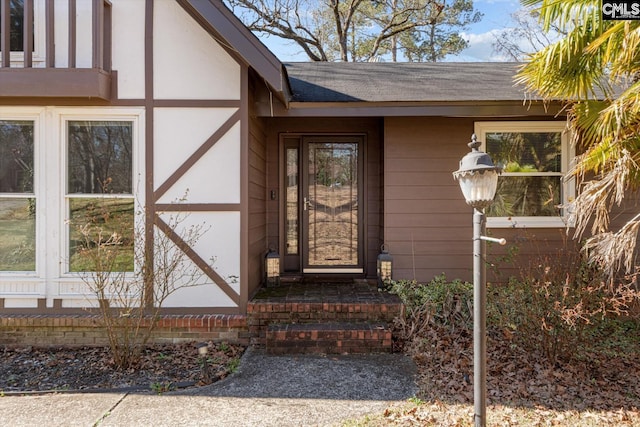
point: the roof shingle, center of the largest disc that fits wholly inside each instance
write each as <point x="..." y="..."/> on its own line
<point x="403" y="81"/>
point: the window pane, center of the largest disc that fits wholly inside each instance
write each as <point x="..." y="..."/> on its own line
<point x="17" y="234"/>
<point x="527" y="196"/>
<point x="526" y="151"/>
<point x="100" y="158"/>
<point x="16" y="156"/>
<point x="92" y="223"/>
<point x="16" y="26"/>
<point x="291" y="225"/>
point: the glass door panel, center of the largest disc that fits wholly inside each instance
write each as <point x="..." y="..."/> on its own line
<point x="331" y="206"/>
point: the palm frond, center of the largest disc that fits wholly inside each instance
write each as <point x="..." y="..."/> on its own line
<point x="614" y="251"/>
<point x="598" y="195"/>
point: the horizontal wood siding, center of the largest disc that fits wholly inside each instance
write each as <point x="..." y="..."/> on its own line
<point x="427" y="224"/>
<point x="257" y="200"/>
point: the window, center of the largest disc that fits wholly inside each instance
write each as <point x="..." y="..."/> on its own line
<point x="17" y="198"/>
<point x="16" y="30"/>
<point x="100" y="193"/>
<point x="16" y="25"/>
<point x="535" y="157"/>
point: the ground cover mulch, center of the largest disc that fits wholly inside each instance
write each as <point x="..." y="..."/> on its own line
<point x="161" y="368"/>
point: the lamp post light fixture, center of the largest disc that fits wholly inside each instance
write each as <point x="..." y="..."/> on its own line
<point x="384" y="267"/>
<point x="478" y="179"/>
<point x="203" y="350"/>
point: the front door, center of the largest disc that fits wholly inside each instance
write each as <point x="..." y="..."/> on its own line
<point x="332" y="236"/>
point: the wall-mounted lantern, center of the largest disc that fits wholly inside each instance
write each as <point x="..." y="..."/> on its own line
<point x="385" y="267"/>
<point x="272" y="268"/>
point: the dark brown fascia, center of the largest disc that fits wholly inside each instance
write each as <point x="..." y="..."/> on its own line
<point x="399" y="109"/>
<point x="84" y="83"/>
<point x="240" y="43"/>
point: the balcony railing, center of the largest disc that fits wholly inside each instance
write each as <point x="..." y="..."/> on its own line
<point x="64" y="65"/>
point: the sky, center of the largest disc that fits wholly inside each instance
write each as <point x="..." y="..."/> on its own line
<point x="480" y="35"/>
<point x="497" y="16"/>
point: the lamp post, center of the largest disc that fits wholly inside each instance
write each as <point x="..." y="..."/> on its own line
<point x="478" y="179"/>
<point x="203" y="349"/>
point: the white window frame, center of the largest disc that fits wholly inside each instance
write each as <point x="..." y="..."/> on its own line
<point x="38" y="54"/>
<point x="49" y="280"/>
<point x="37" y="116"/>
<point x="567" y="161"/>
<point x="136" y="117"/>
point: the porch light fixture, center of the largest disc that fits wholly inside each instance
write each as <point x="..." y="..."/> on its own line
<point x="477" y="176"/>
<point x="384" y="267"/>
<point x="272" y="268"/>
<point x="478" y="179"/>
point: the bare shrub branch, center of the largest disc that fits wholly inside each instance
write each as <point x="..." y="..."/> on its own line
<point x="122" y="296"/>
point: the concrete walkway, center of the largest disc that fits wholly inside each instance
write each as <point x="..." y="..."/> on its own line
<point x="266" y="391"/>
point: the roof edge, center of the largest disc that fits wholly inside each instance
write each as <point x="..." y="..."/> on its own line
<point x="478" y="109"/>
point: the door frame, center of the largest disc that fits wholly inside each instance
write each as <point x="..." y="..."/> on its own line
<point x="294" y="264"/>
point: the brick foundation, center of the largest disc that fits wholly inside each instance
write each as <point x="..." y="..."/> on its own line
<point x="87" y="330"/>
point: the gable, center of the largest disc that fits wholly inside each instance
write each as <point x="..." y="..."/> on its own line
<point x="187" y="65"/>
<point x="223" y="25"/>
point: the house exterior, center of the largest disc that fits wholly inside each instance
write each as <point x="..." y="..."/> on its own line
<point x="175" y="107"/>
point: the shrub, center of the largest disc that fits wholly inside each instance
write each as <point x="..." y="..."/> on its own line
<point x="440" y="303"/>
<point x="129" y="302"/>
<point x="556" y="302"/>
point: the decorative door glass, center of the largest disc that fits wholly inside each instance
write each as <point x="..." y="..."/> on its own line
<point x="331" y="205"/>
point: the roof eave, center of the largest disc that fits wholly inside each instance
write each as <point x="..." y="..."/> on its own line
<point x="474" y="108"/>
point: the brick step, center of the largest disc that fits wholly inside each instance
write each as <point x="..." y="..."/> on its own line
<point x="262" y="314"/>
<point x="299" y="312"/>
<point x="328" y="338"/>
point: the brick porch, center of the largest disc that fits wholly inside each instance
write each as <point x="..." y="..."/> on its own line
<point x="314" y="317"/>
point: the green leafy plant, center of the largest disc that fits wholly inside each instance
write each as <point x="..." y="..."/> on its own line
<point x="439" y="303"/>
<point x="162" y="387"/>
<point x="162" y="356"/>
<point x="416" y="401"/>
<point x="233" y="365"/>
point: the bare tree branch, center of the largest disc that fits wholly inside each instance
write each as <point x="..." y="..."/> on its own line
<point x="358" y="29"/>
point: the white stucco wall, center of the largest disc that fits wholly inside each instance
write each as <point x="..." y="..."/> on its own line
<point x="189" y="63"/>
<point x="179" y="132"/>
<point x="128" y="47"/>
<point x="219" y="247"/>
